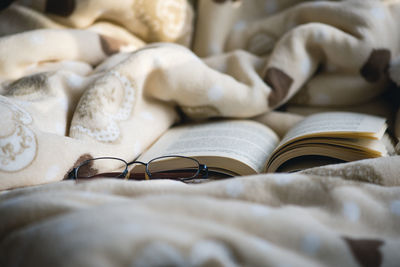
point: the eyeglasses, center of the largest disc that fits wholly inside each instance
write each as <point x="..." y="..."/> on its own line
<point x="166" y="167"/>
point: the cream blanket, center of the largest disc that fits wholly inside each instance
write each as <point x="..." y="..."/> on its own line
<point x="89" y="78"/>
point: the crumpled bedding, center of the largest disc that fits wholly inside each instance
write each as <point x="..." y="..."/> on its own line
<point x="263" y="220"/>
<point x="82" y="79"/>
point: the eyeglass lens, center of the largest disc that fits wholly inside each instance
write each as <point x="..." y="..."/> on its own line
<point x="101" y="167"/>
<point x="168" y="167"/>
<point x="173" y="168"/>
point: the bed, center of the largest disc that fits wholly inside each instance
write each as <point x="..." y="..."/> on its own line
<point x="86" y="79"/>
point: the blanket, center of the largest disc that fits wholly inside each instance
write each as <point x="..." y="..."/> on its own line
<point x="263" y="220"/>
<point x="84" y="79"/>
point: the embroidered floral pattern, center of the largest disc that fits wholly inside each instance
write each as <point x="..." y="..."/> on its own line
<point x="109" y="100"/>
<point x="172" y="14"/>
<point x="18" y="143"/>
<point x="165" y="20"/>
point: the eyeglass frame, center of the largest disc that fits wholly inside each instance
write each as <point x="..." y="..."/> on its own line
<point x="202" y="168"/>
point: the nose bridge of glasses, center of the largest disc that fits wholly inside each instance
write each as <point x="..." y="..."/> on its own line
<point x="136" y="165"/>
<point x="203" y="170"/>
<point x="137" y="170"/>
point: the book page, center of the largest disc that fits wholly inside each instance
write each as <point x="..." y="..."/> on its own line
<point x="341" y="135"/>
<point x="355" y="124"/>
<point x="372" y="146"/>
<point x="326" y="150"/>
<point x="244" y="140"/>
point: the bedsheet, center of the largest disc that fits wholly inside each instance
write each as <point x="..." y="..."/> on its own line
<point x="90" y="78"/>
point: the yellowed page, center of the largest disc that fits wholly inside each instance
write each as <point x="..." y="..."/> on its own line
<point x="245" y="141"/>
<point x="333" y="151"/>
<point x="340" y="124"/>
<point x="372" y="146"/>
<point x="343" y="135"/>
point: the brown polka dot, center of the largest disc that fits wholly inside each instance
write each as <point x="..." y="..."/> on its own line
<point x="201" y="112"/>
<point x="5" y="3"/>
<point x="62" y="8"/>
<point x="376" y="66"/>
<point x="280" y="84"/>
<point x="110" y="45"/>
<point x="365" y="251"/>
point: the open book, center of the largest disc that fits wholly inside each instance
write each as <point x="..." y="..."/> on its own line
<point x="244" y="147"/>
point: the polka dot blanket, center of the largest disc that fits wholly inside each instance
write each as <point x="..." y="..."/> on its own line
<point x="91" y="78"/>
